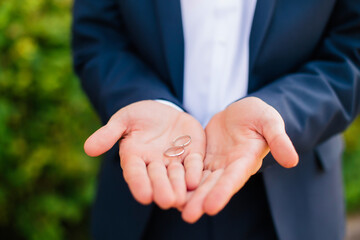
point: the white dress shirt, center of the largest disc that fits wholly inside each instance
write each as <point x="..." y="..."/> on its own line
<point x="216" y="36"/>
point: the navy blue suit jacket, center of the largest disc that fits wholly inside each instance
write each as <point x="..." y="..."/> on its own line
<point x="304" y="61"/>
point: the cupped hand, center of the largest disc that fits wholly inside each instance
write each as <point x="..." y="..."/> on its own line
<point x="238" y="139"/>
<point x="145" y="130"/>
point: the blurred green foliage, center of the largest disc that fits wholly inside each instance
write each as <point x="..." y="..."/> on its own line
<point x="46" y="181"/>
<point x="351" y="165"/>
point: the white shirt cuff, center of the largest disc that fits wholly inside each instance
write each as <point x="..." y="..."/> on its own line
<point x="170" y="104"/>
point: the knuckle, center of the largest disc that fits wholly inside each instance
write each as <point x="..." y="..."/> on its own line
<point x="175" y="166"/>
<point x="153" y="165"/>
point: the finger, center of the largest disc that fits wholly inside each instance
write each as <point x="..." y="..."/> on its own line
<point x="194" y="165"/>
<point x="136" y="176"/>
<point x="194" y="208"/>
<point x="176" y="175"/>
<point x="190" y="193"/>
<point x="104" y="138"/>
<point x="279" y="143"/>
<point x="194" y="161"/>
<point x="233" y="178"/>
<point x="205" y="175"/>
<point x="162" y="191"/>
<point x="283" y="151"/>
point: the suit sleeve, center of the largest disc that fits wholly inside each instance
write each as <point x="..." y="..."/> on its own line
<point x="323" y="97"/>
<point x="111" y="74"/>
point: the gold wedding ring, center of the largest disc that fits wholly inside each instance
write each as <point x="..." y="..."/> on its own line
<point x="178" y="146"/>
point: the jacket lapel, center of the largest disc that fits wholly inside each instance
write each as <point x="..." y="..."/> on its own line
<point x="261" y="22"/>
<point x="170" y="22"/>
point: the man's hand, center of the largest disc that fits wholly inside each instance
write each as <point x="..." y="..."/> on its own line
<point x="146" y="129"/>
<point x="238" y="139"/>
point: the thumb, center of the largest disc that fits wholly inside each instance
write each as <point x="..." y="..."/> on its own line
<point x="281" y="147"/>
<point x="104" y="138"/>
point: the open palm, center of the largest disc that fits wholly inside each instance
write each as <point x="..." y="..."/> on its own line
<point x="238" y="139"/>
<point x="146" y="130"/>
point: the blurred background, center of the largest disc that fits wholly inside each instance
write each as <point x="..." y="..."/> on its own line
<point x="47" y="183"/>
